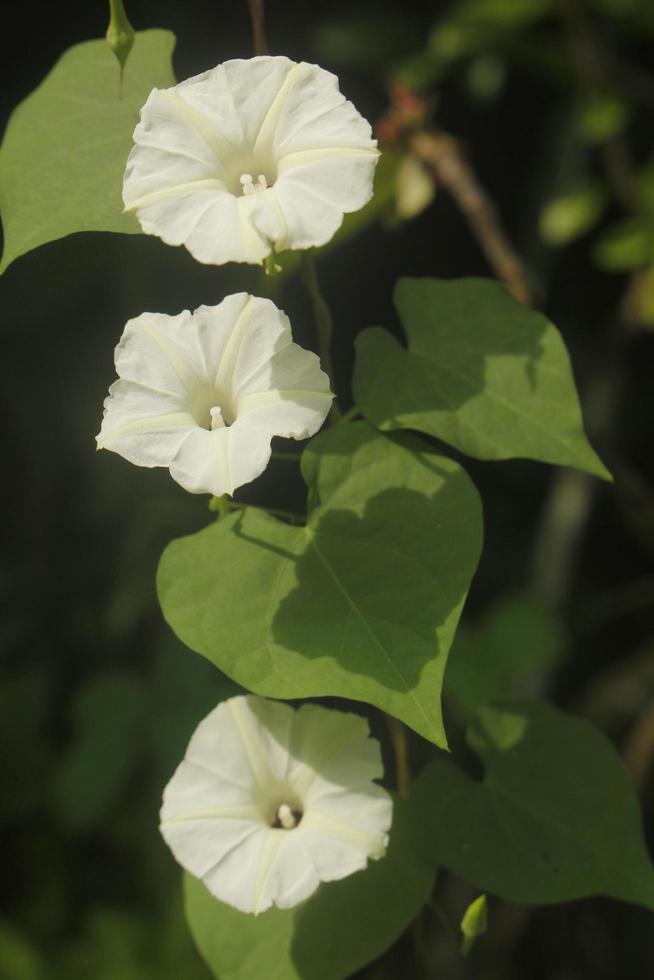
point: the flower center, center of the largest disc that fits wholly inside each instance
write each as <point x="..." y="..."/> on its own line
<point x="286" y="817"/>
<point x="217" y="420"/>
<point x="249" y="187"/>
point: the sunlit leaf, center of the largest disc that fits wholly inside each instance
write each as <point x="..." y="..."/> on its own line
<point x="361" y="603"/>
<point x="481" y="372"/>
<point x="64" y="151"/>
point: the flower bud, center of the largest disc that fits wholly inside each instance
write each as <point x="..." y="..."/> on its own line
<point x="120" y="33"/>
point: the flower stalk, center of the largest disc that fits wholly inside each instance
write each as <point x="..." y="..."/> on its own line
<point x="324" y="324"/>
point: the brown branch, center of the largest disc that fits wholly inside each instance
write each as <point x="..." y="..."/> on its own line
<point x="256" y="15"/>
<point x="442" y="154"/>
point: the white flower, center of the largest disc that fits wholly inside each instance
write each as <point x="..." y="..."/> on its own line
<point x="249" y="156"/>
<point x="204" y="392"/>
<point x="270" y="801"/>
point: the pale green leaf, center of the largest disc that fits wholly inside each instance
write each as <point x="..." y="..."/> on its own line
<point x="345" y="925"/>
<point x="554" y="818"/>
<point x="482" y="373"/>
<point x="361" y="603"/>
<point x="64" y="152"/>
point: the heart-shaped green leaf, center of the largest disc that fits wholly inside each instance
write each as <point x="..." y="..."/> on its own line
<point x="554" y="818"/>
<point x="482" y="373"/>
<point x="345" y="925"/>
<point x="65" y="148"/>
<point x="361" y="603"/>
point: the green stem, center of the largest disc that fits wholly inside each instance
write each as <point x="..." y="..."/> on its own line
<point x="352" y="413"/>
<point x="323" y="321"/>
<point x="397" y="732"/>
<point x="221" y="505"/>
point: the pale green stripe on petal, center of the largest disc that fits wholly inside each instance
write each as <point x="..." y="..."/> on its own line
<point x="243" y="812"/>
<point x="177" y="190"/>
<point x="186" y="374"/>
<point x="271" y="120"/>
<point x="321" y="823"/>
<point x="256" y="755"/>
<point x="221" y="438"/>
<point x="220" y="147"/>
<point x="155" y="423"/>
<point x="263" y="398"/>
<point x="227" y="364"/>
<point x="275" y="840"/>
<point x="300" y="157"/>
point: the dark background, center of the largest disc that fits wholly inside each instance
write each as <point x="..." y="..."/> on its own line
<point x="98" y="698"/>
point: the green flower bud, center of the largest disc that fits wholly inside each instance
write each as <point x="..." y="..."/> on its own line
<point x="120" y="33"/>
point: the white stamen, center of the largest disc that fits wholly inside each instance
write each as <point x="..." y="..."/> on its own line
<point x="217" y="420"/>
<point x="286" y="817"/>
<point x="248" y="185"/>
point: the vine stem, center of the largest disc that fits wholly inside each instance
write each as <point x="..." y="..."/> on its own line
<point x="323" y="320"/>
<point x="442" y="154"/>
<point x="400" y="745"/>
<point x="258" y="30"/>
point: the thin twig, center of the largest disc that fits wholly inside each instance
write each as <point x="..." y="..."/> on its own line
<point x="258" y="30"/>
<point x="442" y="153"/>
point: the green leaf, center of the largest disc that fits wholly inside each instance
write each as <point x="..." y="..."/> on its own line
<point x="361" y="603"/>
<point x="554" y="818"/>
<point x="65" y="148"/>
<point x="473" y="923"/>
<point x="343" y="926"/>
<point x="482" y="373"/>
<point x="519" y="637"/>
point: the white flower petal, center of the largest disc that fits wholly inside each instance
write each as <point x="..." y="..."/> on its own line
<point x="317" y="115"/>
<point x="220" y="159"/>
<point x="204" y="393"/>
<point x="252" y="768"/>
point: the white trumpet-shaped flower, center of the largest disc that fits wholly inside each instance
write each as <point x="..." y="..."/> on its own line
<point x="204" y="392"/>
<point x="269" y="801"/>
<point x="249" y="157"/>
